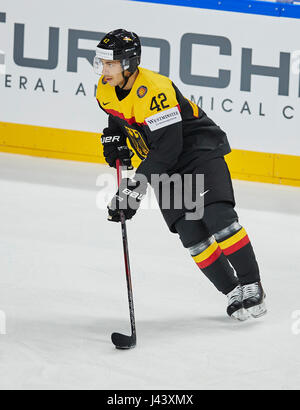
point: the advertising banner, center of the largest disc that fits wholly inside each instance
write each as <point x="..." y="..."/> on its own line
<point x="242" y="69"/>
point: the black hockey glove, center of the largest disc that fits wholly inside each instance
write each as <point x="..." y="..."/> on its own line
<point x="115" y="147"/>
<point x="127" y="199"/>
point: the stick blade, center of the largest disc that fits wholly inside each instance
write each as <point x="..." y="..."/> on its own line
<point x="123" y="342"/>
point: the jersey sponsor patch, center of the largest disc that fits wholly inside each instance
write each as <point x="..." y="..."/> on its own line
<point x="142" y="91"/>
<point x="163" y="119"/>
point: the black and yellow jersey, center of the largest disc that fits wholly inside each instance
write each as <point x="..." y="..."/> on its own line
<point x="166" y="130"/>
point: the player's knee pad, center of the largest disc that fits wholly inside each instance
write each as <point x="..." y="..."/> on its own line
<point x="228" y="232"/>
<point x="201" y="247"/>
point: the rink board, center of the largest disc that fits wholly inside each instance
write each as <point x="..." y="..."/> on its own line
<point x="86" y="146"/>
<point x="242" y="69"/>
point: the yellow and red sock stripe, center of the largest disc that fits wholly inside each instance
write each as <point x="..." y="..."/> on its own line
<point x="209" y="256"/>
<point x="235" y="243"/>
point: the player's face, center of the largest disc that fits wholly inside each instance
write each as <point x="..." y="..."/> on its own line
<point x="112" y="72"/>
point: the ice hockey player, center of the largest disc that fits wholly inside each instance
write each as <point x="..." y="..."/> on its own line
<point x="172" y="135"/>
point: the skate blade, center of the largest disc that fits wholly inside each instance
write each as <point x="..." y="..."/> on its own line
<point x="241" y="315"/>
<point x="258" y="311"/>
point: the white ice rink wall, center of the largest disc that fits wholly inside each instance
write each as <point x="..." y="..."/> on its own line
<point x="238" y="60"/>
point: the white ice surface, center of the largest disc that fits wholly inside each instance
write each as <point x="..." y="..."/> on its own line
<point x="63" y="290"/>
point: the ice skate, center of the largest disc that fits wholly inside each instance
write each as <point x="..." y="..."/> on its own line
<point x="235" y="308"/>
<point x="254" y="299"/>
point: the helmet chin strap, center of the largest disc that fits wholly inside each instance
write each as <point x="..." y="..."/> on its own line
<point x="126" y="79"/>
<point x="131" y="69"/>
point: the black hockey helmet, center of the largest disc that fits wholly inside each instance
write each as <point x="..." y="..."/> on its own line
<point x="121" y="45"/>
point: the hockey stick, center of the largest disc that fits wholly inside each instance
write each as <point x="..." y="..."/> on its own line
<point x="119" y="340"/>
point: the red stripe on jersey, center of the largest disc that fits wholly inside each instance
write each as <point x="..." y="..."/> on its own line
<point x="239" y="245"/>
<point x="130" y="121"/>
<point x="118" y="114"/>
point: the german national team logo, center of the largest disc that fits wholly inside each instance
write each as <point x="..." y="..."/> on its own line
<point x="142" y="91"/>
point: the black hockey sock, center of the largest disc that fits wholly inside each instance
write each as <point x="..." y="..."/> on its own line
<point x="237" y="247"/>
<point x="213" y="263"/>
